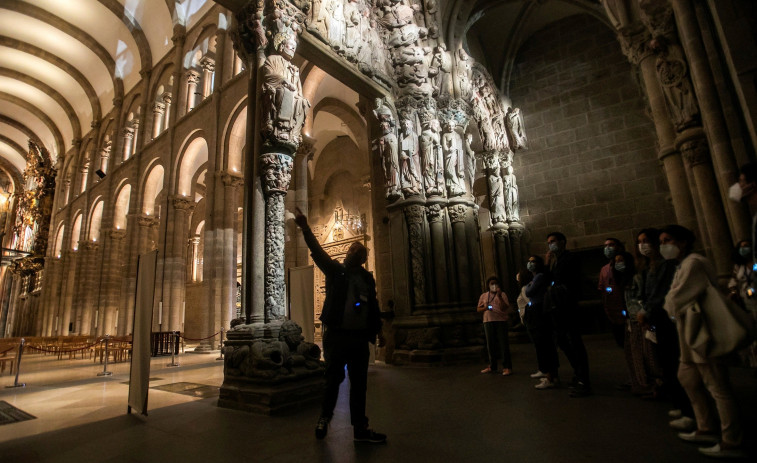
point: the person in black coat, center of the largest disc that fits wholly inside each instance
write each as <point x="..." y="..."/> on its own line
<point x="351" y="319"/>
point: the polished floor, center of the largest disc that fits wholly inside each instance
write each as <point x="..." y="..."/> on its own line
<point x="441" y="415"/>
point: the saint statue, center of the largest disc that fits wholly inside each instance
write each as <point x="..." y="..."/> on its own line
<point x="453" y="163"/>
<point x="674" y="76"/>
<point x="515" y="129"/>
<point x="386" y="147"/>
<point x="440" y="69"/>
<point x="409" y="167"/>
<point x="432" y="158"/>
<point x="511" y="195"/>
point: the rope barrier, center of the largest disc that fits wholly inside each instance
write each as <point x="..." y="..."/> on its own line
<point x="39" y="349"/>
<point x="8" y="350"/>
<point x="200" y="339"/>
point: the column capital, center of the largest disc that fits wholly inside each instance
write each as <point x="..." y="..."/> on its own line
<point x="634" y="42"/>
<point x="414" y="214"/>
<point x="116" y="234"/>
<point x="166" y="97"/>
<point x="232" y="180"/>
<point x="158" y="107"/>
<point x="89" y="245"/>
<point x="434" y="213"/>
<point x="277" y="172"/>
<point x="457" y="213"/>
<point x="148" y="221"/>
<point x="193" y="77"/>
<point x="128" y="132"/>
<point x="195" y="240"/>
<point x="179" y="34"/>
<point x="695" y="151"/>
<point x="183" y="203"/>
<point x="208" y="64"/>
<point x="657" y="16"/>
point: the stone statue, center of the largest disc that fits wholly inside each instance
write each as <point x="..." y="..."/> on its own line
<point x="399" y="19"/>
<point x="301" y="352"/>
<point x="432" y="158"/>
<point x="515" y="129"/>
<point x="439" y="70"/>
<point x="335" y="11"/>
<point x="412" y="71"/>
<point x="410" y="179"/>
<point x="372" y="56"/>
<point x="386" y="147"/>
<point x="284" y="107"/>
<point x="353" y="17"/>
<point x="453" y="162"/>
<point x="464" y="73"/>
<point x="471" y="159"/>
<point x="511" y="195"/>
<point x="496" y="187"/>
<point x="673" y="74"/>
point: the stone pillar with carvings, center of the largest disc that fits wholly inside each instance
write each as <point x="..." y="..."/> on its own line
<point x="435" y="212"/>
<point x="208" y="66"/>
<point x="457" y="211"/>
<point x="192" y="78"/>
<point x="414" y="217"/>
<point x="158" y="111"/>
<point x="174" y="263"/>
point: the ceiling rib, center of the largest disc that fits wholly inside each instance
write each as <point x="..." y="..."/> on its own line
<point x="21" y="127"/>
<point x="61" y="146"/>
<point x="143" y="46"/>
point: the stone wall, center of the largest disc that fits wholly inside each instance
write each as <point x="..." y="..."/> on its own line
<point x="591" y="170"/>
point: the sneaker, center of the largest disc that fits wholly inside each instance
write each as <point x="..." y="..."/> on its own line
<point x="675" y="413"/>
<point x="322" y="427"/>
<point x="717" y="451"/>
<point x="684" y="423"/>
<point x="699" y="437"/>
<point x="487" y="370"/>
<point x="538" y="374"/>
<point x="507" y="372"/>
<point x="369" y="435"/>
<point x="545" y="383"/>
<point x="580" y="390"/>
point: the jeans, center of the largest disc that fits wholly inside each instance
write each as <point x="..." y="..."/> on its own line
<point x="498" y="344"/>
<point x="342" y="348"/>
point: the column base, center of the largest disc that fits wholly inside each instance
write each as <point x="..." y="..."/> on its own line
<point x="205" y="347"/>
<point x="269" y="368"/>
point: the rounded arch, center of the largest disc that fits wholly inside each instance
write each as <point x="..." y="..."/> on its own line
<point x="76" y="230"/>
<point x="58" y="243"/>
<point x="121" y="208"/>
<point x="235" y="134"/>
<point x="95" y="219"/>
<point x="193" y="156"/>
<point x="153" y="185"/>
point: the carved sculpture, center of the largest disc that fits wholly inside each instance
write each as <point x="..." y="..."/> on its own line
<point x="431" y="155"/>
<point x="464" y="73"/>
<point x="515" y="129"/>
<point x="511" y="196"/>
<point x="399" y="19"/>
<point x="470" y="156"/>
<point x="410" y="179"/>
<point x="336" y="28"/>
<point x="386" y="147"/>
<point x="452" y="147"/>
<point x="673" y="74"/>
<point x="353" y="18"/>
<point x="284" y="106"/>
<point x="440" y="69"/>
<point x="496" y="187"/>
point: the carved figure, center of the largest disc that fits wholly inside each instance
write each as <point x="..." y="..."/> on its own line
<point x="515" y="129"/>
<point x="674" y="77"/>
<point x="401" y="23"/>
<point x="372" y="59"/>
<point x="471" y="159"/>
<point x="410" y="179"/>
<point x="284" y="106"/>
<point x="386" y="147"/>
<point x="496" y="187"/>
<point x="432" y="158"/>
<point x="511" y="196"/>
<point x="335" y="10"/>
<point x="453" y="163"/>
<point x="464" y="73"/>
<point x="353" y="18"/>
<point x="440" y="69"/>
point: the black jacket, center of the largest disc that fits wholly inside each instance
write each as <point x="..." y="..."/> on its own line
<point x="337" y="286"/>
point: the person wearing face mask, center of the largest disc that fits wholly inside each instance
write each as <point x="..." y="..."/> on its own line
<point x="352" y="319"/>
<point x="613" y="294"/>
<point x="656" y="276"/>
<point x="539" y="325"/>
<point x="741" y="276"/>
<point x="700" y="375"/>
<point x="496" y="309"/>
<point x="561" y="302"/>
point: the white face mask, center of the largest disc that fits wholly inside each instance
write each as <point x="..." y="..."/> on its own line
<point x="645" y="249"/>
<point x="735" y="192"/>
<point x="554" y="247"/>
<point x="669" y="251"/>
<point x="493" y="288"/>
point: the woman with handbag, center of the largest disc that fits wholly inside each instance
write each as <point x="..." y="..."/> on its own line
<point x="700" y="374"/>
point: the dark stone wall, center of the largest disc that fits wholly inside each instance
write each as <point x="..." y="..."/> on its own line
<point x="591" y="170"/>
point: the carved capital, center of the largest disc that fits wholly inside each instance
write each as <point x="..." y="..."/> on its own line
<point x="166" y="97"/>
<point x="456" y="213"/>
<point x="116" y="234"/>
<point x="635" y="44"/>
<point x="182" y="203"/>
<point x="193" y="77"/>
<point x="657" y="16"/>
<point x="208" y="64"/>
<point x="147" y="221"/>
<point x="128" y="132"/>
<point x="695" y="152"/>
<point x="158" y="107"/>
<point x="435" y="213"/>
<point x="414" y="214"/>
<point x="232" y="180"/>
<point x="194" y="241"/>
<point x="277" y="172"/>
<point x="88" y="245"/>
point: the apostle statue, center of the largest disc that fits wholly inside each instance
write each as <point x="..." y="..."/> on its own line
<point x="284" y="105"/>
<point x="515" y="129"/>
<point x="511" y="195"/>
<point x="440" y="69"/>
<point x="470" y="156"/>
<point x="387" y="148"/>
<point x="453" y="162"/>
<point x="410" y="179"/>
<point x="432" y="157"/>
<point x="673" y="74"/>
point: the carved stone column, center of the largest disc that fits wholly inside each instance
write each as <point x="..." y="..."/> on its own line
<point x="208" y="66"/>
<point x="501" y="233"/>
<point x="158" y="110"/>
<point x="194" y="243"/>
<point x="435" y="215"/>
<point x="128" y="134"/>
<point x="457" y="214"/>
<point x="193" y="78"/>
<point x="414" y="215"/>
<point x="167" y="99"/>
<point x="174" y="267"/>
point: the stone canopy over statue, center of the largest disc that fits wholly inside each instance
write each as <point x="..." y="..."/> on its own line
<point x="284" y="106"/>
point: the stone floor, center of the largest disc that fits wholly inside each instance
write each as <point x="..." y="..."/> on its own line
<point x="446" y="414"/>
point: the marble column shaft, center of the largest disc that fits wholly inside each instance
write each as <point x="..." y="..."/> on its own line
<point x="192" y="79"/>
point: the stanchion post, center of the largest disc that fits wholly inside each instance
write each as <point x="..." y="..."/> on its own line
<point x="220" y="349"/>
<point x="174" y="345"/>
<point x="18" y="364"/>
<point x="105" y="371"/>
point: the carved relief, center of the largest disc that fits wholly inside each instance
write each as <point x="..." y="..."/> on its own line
<point x="440" y="71"/>
<point x="434" y="213"/>
<point x="496" y="187"/>
<point x="432" y="157"/>
<point x="695" y="152"/>
<point x="456" y="213"/>
<point x="470" y="157"/>
<point x="277" y="172"/>
<point x="511" y="195"/>
<point x="673" y="74"/>
<point x="386" y="148"/>
<point x="414" y="217"/>
<point x="464" y="74"/>
<point x="274" y="289"/>
<point x="410" y="179"/>
<point x="515" y="132"/>
<point x="452" y="147"/>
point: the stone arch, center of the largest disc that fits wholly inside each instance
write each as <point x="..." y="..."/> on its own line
<point x="58" y="243"/>
<point x="121" y="206"/>
<point x="76" y="230"/>
<point x="95" y="219"/>
<point x="235" y="138"/>
<point x="60" y="146"/>
<point x="152" y="187"/>
<point x="347" y="114"/>
<point x="123" y="15"/>
<point x="194" y="154"/>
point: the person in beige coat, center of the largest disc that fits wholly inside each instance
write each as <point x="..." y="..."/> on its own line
<point x="700" y="375"/>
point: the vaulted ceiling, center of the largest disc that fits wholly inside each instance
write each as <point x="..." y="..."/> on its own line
<point x="62" y="63"/>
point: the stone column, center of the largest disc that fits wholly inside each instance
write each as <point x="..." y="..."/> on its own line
<point x="105" y="156"/>
<point x="501" y="249"/>
<point x="67" y="299"/>
<point x="158" y="109"/>
<point x="141" y="228"/>
<point x="440" y="286"/>
<point x="111" y="275"/>
<point x="87" y="295"/>
<point x="414" y="215"/>
<point x="726" y="170"/>
<point x="208" y="66"/>
<point x="231" y="185"/>
<point x="135" y="127"/>
<point x="237" y="65"/>
<point x="517" y="260"/>
<point x="128" y="134"/>
<point x="457" y="213"/>
<point x="166" y="98"/>
<point x="174" y="267"/>
<point x="473" y="232"/>
<point x="194" y="242"/>
<point x="193" y="78"/>
<point x="66" y="190"/>
<point x="84" y="172"/>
